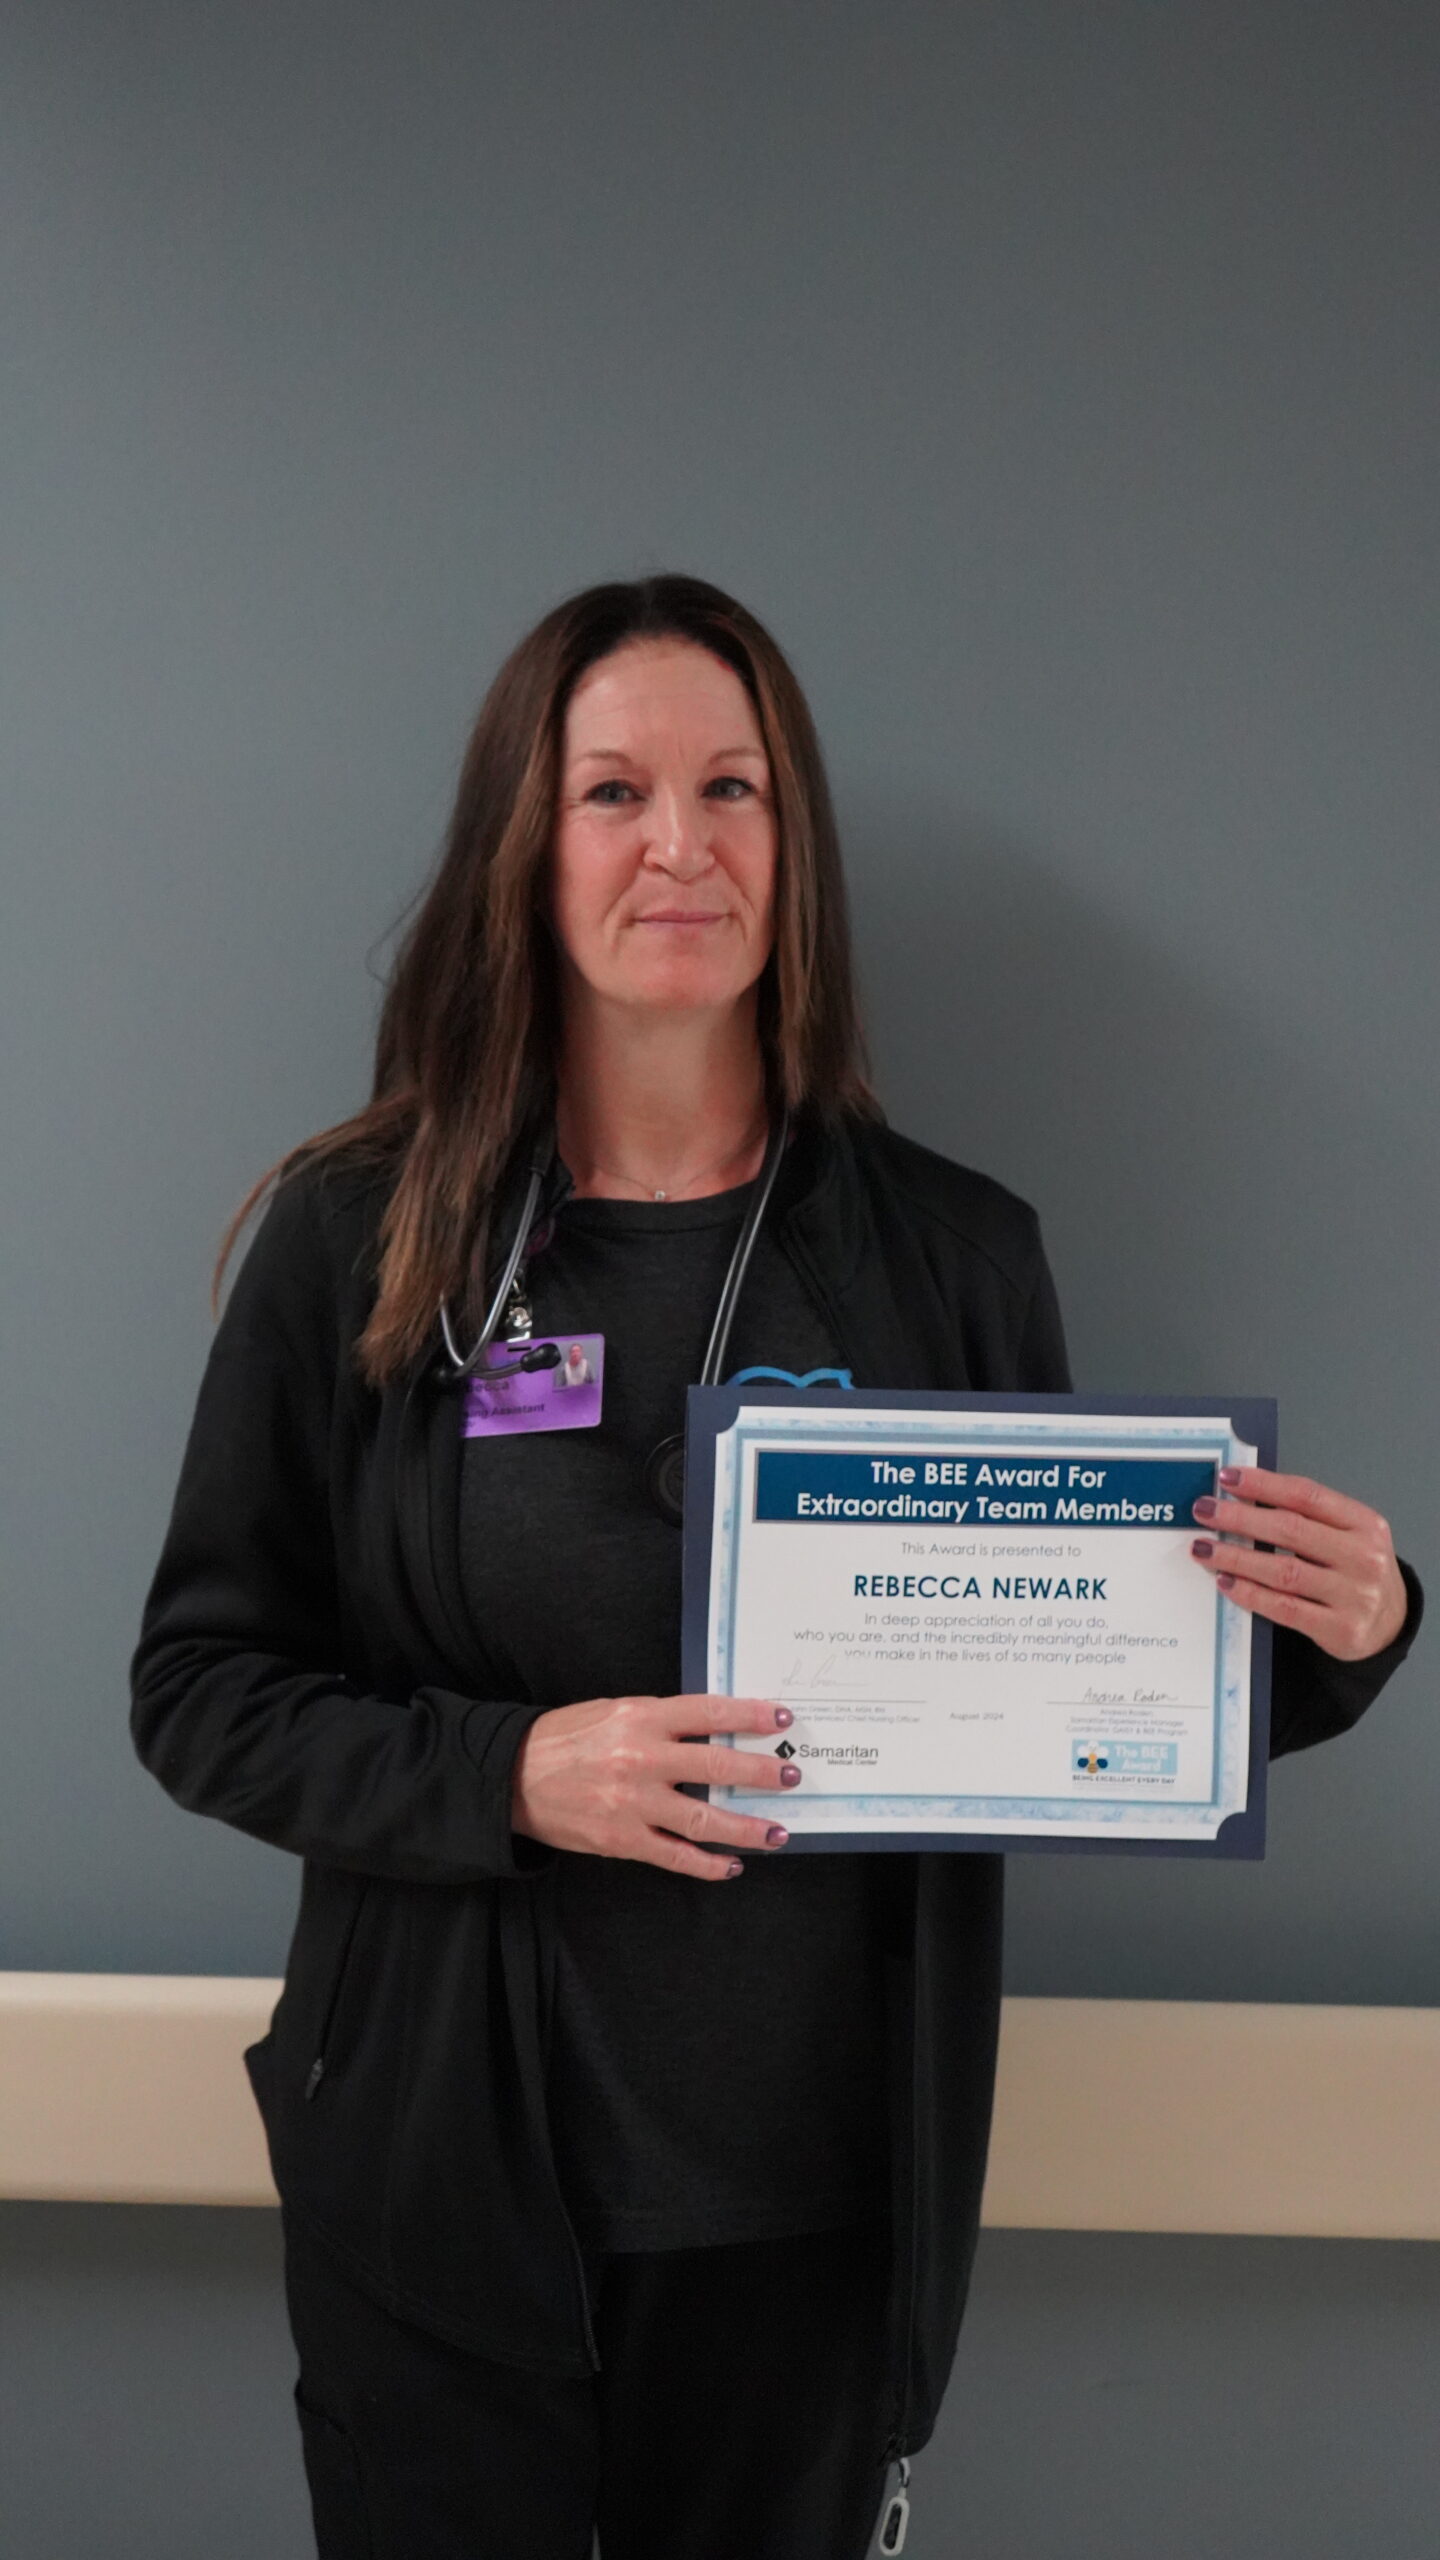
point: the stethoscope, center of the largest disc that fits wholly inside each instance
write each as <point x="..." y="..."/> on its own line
<point x="665" y="1466"/>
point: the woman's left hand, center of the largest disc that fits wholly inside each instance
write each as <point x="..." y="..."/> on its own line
<point x="1334" y="1577"/>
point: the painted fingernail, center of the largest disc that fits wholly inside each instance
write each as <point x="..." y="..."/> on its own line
<point x="777" y="1835"/>
<point x="1204" y="1548"/>
<point x="1205" y="1506"/>
<point x="790" y="1777"/>
<point x="1229" y="1475"/>
<point x="784" y="1715"/>
<point x="1226" y="1581"/>
<point x="736" y="1867"/>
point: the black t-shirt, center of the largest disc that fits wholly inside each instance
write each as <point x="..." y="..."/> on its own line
<point x="717" y="2055"/>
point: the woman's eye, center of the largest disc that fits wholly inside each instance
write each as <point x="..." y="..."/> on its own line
<point x="613" y="792"/>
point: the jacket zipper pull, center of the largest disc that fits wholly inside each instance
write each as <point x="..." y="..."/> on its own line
<point x="316" y="2075"/>
<point x="895" y="2523"/>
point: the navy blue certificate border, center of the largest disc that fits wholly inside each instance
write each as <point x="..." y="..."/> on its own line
<point x="712" y="1410"/>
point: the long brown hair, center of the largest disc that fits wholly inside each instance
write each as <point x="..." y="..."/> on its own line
<point x="469" y="1028"/>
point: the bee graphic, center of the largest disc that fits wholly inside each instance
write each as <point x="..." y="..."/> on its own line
<point x="1090" y="1763"/>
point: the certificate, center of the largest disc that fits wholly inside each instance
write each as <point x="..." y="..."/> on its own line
<point x="984" y="1614"/>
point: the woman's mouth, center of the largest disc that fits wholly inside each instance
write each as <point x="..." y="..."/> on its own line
<point x="680" y="916"/>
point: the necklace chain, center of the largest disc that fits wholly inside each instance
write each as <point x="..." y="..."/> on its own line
<point x="611" y="1175"/>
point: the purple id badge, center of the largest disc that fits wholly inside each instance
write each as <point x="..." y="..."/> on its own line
<point x="564" y="1395"/>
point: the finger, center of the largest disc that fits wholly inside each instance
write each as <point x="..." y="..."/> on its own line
<point x="707" y="1714"/>
<point x="1278" y="1573"/>
<point x="1298" y="1493"/>
<point x="1286" y="1608"/>
<point x="714" y="1764"/>
<point x="710" y="1829"/>
<point x="1278" y="1528"/>
<point x="683" y="1858"/>
<point x="704" y="1822"/>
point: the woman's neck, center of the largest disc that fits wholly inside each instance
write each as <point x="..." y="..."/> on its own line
<point x="666" y="1104"/>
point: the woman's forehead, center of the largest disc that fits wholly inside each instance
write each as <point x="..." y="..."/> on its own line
<point x="654" y="686"/>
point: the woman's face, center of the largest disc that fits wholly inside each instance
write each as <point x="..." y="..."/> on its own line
<point x="663" y="882"/>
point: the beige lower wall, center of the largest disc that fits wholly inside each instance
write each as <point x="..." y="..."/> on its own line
<point x="1111" y="2115"/>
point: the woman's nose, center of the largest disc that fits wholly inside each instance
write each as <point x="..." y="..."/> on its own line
<point x="679" y="841"/>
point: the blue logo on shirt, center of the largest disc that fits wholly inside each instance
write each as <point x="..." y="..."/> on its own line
<point x="787" y="1378"/>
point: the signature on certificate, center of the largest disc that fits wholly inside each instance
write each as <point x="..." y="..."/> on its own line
<point x="1128" y="1698"/>
<point x="828" y="1667"/>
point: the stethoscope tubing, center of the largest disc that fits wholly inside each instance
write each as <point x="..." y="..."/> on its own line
<point x="465" y="1366"/>
<point x="461" y="1366"/>
<point x="719" y="1342"/>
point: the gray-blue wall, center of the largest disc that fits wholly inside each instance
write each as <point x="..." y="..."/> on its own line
<point x="1060" y="384"/>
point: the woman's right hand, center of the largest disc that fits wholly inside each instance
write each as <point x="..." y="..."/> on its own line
<point x="603" y="1777"/>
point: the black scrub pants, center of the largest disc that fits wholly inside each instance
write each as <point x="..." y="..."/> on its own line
<point x="739" y="2414"/>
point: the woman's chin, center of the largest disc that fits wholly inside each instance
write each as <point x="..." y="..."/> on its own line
<point x="679" y="988"/>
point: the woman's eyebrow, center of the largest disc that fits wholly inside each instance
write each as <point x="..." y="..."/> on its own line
<point x="621" y="755"/>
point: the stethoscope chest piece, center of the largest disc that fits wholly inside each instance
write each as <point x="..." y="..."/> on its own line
<point x="665" y="1478"/>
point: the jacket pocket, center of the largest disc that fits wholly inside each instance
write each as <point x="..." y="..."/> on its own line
<point x="337" y="2495"/>
<point x="319" y="2057"/>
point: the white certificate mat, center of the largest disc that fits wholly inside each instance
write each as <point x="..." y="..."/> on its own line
<point x="984" y="1613"/>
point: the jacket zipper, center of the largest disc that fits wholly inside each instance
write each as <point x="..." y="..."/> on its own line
<point x="576" y="2259"/>
<point x="316" y="2072"/>
<point x="318" y="2066"/>
<point x="895" y="2522"/>
<point x="581" y="2288"/>
<point x="895" y="2519"/>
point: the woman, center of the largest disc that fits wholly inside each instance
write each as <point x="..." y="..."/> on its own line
<point x="608" y="2197"/>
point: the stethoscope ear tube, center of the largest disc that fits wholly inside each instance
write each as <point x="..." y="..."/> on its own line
<point x="740" y="1259"/>
<point x="665" y="1466"/>
<point x="462" y="1367"/>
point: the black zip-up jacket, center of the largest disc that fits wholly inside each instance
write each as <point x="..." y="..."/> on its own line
<point x="306" y="1670"/>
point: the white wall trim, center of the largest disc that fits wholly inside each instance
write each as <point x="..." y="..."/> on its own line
<point x="1111" y="2115"/>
